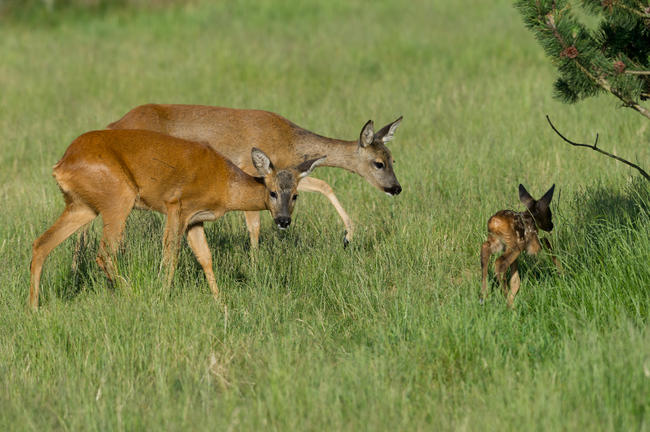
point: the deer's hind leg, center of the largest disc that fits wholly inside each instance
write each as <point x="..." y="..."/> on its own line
<point x="80" y="246"/>
<point x="114" y="217"/>
<point x="491" y="246"/>
<point x="311" y="184"/>
<point x="515" y="283"/>
<point x="74" y="216"/>
<point x="501" y="266"/>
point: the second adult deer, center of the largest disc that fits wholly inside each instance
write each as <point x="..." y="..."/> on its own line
<point x="513" y="232"/>
<point x="110" y="172"/>
<point x="233" y="132"/>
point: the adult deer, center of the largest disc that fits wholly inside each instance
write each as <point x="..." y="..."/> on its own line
<point x="112" y="171"/>
<point x="233" y="132"/>
<point x="513" y="232"/>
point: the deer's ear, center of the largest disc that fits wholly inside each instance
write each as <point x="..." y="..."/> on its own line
<point x="548" y="196"/>
<point x="386" y="133"/>
<point x="305" y="168"/>
<point x="261" y="162"/>
<point x="525" y="197"/>
<point x="367" y="135"/>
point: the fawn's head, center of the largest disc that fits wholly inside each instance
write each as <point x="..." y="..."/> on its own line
<point x="376" y="162"/>
<point x="281" y="185"/>
<point x="539" y="209"/>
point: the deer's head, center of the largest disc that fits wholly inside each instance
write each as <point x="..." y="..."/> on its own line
<point x="375" y="160"/>
<point x="281" y="185"/>
<point x="539" y="209"/>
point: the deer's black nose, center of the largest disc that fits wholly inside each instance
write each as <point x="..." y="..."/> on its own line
<point x="393" y="190"/>
<point x="283" y="222"/>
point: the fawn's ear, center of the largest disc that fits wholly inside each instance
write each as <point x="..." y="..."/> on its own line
<point x="367" y="135"/>
<point x="386" y="133"/>
<point x="548" y="196"/>
<point x="305" y="168"/>
<point x="261" y="162"/>
<point x="525" y="197"/>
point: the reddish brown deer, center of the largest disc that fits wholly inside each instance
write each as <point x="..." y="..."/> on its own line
<point x="233" y="132"/>
<point x="513" y="232"/>
<point x="110" y="172"/>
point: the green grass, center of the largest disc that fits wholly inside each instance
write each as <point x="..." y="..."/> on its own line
<point x="385" y="335"/>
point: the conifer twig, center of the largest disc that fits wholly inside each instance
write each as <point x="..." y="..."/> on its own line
<point x="595" y="147"/>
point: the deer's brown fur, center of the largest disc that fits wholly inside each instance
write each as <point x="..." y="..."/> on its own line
<point x="110" y="172"/>
<point x="233" y="132"/>
<point x="514" y="232"/>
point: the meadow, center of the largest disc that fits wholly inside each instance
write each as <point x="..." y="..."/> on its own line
<point x="387" y="334"/>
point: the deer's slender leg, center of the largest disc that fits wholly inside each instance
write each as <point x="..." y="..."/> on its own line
<point x="547" y="245"/>
<point x="491" y="246"/>
<point x="114" y="219"/>
<point x="199" y="245"/>
<point x="171" y="240"/>
<point x="74" y="216"/>
<point x="310" y="184"/>
<point x="515" y="282"/>
<point x="501" y="265"/>
<point x="253" y="225"/>
<point x="80" y="246"/>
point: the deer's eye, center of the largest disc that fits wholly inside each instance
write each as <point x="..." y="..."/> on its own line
<point x="273" y="195"/>
<point x="295" y="197"/>
<point x="379" y="165"/>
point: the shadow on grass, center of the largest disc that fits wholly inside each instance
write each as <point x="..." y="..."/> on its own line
<point x="626" y="208"/>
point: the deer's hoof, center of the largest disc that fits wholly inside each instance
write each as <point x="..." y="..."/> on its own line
<point x="346" y="240"/>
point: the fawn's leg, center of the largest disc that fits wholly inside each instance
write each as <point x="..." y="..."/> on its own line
<point x="501" y="266"/>
<point x="199" y="245"/>
<point x="557" y="263"/>
<point x="74" y="216"/>
<point x="310" y="184"/>
<point x="491" y="246"/>
<point x="515" y="282"/>
<point x="253" y="225"/>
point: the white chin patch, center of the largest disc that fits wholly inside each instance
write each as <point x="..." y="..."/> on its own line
<point x="389" y="194"/>
<point x="282" y="228"/>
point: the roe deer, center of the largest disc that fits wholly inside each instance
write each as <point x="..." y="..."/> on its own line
<point x="110" y="172"/>
<point x="233" y="132"/>
<point x="516" y="232"/>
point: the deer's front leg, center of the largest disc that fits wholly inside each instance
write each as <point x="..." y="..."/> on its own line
<point x="310" y="184"/>
<point x="547" y="245"/>
<point x="199" y="245"/>
<point x="171" y="241"/>
<point x="253" y="226"/>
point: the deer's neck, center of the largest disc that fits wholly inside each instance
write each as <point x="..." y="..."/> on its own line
<point x="340" y="153"/>
<point x="528" y="221"/>
<point x="245" y="192"/>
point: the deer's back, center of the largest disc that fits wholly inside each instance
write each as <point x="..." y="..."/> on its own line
<point x="159" y="167"/>
<point x="231" y="132"/>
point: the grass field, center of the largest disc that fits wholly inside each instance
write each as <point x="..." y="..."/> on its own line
<point x="387" y="334"/>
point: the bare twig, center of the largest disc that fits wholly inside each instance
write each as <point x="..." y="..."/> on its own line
<point x="637" y="72"/>
<point x="595" y="147"/>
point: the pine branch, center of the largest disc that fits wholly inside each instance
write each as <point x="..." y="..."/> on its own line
<point x="570" y="52"/>
<point x="595" y="147"/>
